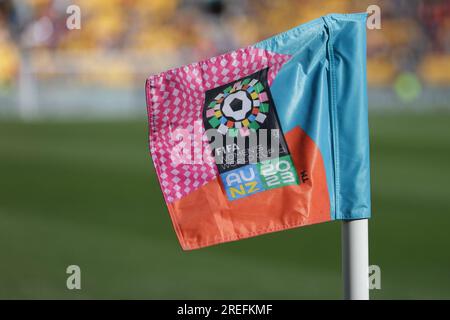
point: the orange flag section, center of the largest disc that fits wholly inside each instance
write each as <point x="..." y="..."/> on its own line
<point x="206" y="217"/>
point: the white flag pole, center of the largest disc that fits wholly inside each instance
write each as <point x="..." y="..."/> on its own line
<point x="355" y="259"/>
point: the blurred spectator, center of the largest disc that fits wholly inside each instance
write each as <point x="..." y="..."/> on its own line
<point x="415" y="35"/>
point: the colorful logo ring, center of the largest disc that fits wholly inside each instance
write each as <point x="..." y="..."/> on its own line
<point x="241" y="107"/>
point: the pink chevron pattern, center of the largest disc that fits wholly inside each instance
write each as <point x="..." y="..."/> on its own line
<point x="175" y="99"/>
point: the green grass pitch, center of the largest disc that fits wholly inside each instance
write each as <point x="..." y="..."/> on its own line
<point x="86" y="194"/>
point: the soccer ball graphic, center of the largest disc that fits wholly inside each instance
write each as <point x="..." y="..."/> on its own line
<point x="236" y="105"/>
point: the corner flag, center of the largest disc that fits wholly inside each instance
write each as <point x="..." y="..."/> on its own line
<point x="265" y="138"/>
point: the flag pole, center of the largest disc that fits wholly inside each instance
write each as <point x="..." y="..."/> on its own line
<point x="355" y="259"/>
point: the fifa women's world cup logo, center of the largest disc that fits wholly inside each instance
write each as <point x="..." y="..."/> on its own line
<point x="246" y="138"/>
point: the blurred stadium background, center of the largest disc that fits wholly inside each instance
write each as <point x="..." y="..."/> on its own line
<point x="77" y="184"/>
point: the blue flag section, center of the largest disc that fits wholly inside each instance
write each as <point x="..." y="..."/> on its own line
<point x="323" y="89"/>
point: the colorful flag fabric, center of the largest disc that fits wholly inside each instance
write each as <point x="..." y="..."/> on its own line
<point x="265" y="138"/>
